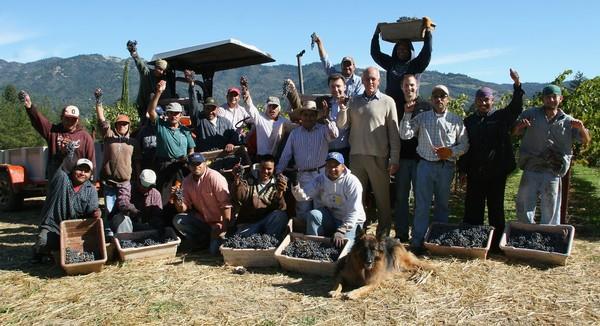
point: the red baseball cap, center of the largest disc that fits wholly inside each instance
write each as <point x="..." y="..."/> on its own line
<point x="233" y="90"/>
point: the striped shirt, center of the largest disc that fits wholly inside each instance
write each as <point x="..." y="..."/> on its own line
<point x="435" y="130"/>
<point x="308" y="147"/>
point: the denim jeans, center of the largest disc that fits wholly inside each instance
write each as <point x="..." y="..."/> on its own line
<point x="321" y="222"/>
<point x="435" y="179"/>
<point x="273" y="224"/>
<point x="110" y="196"/>
<point x="304" y="178"/>
<point x="404" y="179"/>
<point x="196" y="230"/>
<point x="547" y="187"/>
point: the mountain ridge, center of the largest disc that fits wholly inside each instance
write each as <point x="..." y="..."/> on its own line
<point x="72" y="80"/>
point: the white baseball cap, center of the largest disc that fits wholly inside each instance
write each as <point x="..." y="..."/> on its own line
<point x="85" y="161"/>
<point x="147" y="178"/>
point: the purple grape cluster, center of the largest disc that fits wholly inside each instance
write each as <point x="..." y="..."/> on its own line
<point x="254" y="241"/>
<point x="313" y="250"/>
<point x="406" y="19"/>
<point x="464" y="235"/>
<point x="151" y="241"/>
<point x="74" y="256"/>
<point x="544" y="241"/>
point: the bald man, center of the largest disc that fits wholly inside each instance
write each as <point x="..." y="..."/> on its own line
<point x="374" y="142"/>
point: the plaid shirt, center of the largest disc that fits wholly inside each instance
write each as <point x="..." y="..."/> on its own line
<point x="435" y="130"/>
<point x="308" y="147"/>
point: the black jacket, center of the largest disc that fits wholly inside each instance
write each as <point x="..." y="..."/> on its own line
<point x="490" y="148"/>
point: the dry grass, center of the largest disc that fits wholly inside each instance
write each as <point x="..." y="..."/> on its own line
<point x="195" y="288"/>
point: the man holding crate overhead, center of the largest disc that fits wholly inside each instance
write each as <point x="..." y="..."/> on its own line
<point x="402" y="60"/>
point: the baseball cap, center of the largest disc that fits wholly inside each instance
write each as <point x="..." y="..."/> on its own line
<point x="551" y="89"/>
<point x="484" y="92"/>
<point x="273" y="100"/>
<point x="233" y="90"/>
<point x="174" y="107"/>
<point x="209" y="101"/>
<point x="122" y="118"/>
<point x="348" y="59"/>
<point x="309" y="105"/>
<point x="196" y="158"/>
<point x="71" y="111"/>
<point x="335" y="156"/>
<point x="147" y="178"/>
<point x="441" y="88"/>
<point x="85" y="161"/>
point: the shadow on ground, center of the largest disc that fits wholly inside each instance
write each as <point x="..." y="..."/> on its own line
<point x="584" y="208"/>
<point x="313" y="286"/>
<point x="18" y="230"/>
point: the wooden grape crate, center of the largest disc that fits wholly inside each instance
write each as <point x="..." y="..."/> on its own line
<point x="545" y="257"/>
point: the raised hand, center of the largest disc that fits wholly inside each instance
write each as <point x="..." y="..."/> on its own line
<point x="515" y="77"/>
<point x="132" y="46"/>
<point x="24" y="97"/>
<point x="577" y="124"/>
<point x="161" y="86"/>
<point x="98" y="95"/>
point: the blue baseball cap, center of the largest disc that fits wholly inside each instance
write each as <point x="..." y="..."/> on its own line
<point x="196" y="158"/>
<point x="335" y="156"/>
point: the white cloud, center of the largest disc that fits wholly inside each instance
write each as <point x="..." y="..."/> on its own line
<point x="468" y="56"/>
<point x="30" y="54"/>
<point x="10" y="37"/>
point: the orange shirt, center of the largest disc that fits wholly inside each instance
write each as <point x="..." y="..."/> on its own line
<point x="207" y="196"/>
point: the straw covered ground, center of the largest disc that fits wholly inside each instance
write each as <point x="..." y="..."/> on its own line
<point x="194" y="288"/>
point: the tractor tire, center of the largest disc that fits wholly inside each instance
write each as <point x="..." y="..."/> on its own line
<point x="9" y="200"/>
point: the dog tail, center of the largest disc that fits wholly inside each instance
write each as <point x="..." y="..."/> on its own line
<point x="405" y="260"/>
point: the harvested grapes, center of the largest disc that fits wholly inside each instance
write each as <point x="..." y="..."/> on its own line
<point x="254" y="241"/>
<point x="150" y="241"/>
<point x="74" y="256"/>
<point x="464" y="235"/>
<point x="310" y="249"/>
<point x="544" y="241"/>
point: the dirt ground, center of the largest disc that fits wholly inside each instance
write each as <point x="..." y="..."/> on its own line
<point x="195" y="288"/>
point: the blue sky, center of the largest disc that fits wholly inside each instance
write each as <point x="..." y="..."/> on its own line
<point x="482" y="39"/>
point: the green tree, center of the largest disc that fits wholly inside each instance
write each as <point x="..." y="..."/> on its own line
<point x="583" y="103"/>
<point x="124" y="101"/>
<point x="458" y="105"/>
<point x="122" y="106"/>
<point x="16" y="127"/>
<point x="10" y="93"/>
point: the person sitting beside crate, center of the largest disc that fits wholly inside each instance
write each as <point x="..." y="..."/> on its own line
<point x="337" y="194"/>
<point x="204" y="205"/>
<point x="259" y="199"/>
<point x="70" y="196"/>
<point x="140" y="211"/>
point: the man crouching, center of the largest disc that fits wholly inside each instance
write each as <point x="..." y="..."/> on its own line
<point x="259" y="200"/>
<point x="71" y="196"/>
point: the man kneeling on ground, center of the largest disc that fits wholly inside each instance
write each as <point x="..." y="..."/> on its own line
<point x="143" y="211"/>
<point x="71" y="196"/>
<point x="260" y="201"/>
<point x="338" y="198"/>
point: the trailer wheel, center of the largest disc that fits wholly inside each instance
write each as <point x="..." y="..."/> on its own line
<point x="9" y="200"/>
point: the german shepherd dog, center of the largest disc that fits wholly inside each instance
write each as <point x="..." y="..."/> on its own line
<point x="370" y="262"/>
